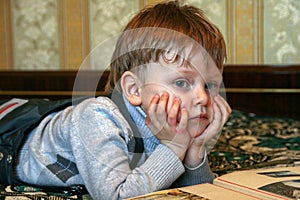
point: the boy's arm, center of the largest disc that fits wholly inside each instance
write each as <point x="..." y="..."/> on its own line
<point x="193" y="176"/>
<point x="102" y="156"/>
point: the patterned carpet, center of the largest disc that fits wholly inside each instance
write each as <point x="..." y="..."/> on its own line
<point x="248" y="141"/>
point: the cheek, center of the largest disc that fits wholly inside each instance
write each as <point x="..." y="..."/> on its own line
<point x="147" y="95"/>
<point x="149" y="92"/>
<point x="146" y="99"/>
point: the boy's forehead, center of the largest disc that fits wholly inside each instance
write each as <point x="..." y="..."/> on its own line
<point x="206" y="71"/>
<point x="195" y="55"/>
<point x="197" y="60"/>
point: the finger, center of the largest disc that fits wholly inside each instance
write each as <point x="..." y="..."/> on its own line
<point x="224" y="102"/>
<point x="162" y="104"/>
<point x="223" y="107"/>
<point x="151" y="110"/>
<point x="161" y="110"/>
<point x="217" y="113"/>
<point x="182" y="125"/>
<point x="174" y="112"/>
<point x="215" y="126"/>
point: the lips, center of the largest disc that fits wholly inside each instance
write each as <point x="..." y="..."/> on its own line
<point x="202" y="116"/>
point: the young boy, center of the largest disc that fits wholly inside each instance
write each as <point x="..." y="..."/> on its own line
<point x="164" y="84"/>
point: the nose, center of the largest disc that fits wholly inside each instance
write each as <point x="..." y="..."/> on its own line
<point x="201" y="96"/>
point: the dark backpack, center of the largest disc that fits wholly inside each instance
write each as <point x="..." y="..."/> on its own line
<point x="17" y="124"/>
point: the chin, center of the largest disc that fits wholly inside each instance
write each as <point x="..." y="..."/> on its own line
<point x="199" y="131"/>
<point x="196" y="133"/>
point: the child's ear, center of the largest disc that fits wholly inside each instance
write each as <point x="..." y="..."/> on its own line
<point x="130" y="88"/>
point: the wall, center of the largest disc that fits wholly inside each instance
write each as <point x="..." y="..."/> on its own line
<point x="60" y="34"/>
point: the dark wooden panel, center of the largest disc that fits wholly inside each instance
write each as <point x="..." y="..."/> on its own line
<point x="270" y="104"/>
<point x="52" y="80"/>
<point x="261" y="89"/>
<point x="267" y="90"/>
<point x="262" y="76"/>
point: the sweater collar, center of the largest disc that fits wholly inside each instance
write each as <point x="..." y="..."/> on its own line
<point x="139" y="117"/>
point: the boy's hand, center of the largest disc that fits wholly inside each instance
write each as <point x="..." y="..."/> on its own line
<point x="221" y="112"/>
<point x="165" y="124"/>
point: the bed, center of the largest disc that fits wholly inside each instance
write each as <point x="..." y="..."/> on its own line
<point x="263" y="130"/>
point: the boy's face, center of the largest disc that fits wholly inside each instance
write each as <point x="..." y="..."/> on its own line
<point x="194" y="86"/>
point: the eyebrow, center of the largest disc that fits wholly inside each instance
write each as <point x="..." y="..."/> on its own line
<point x="187" y="71"/>
<point x="190" y="72"/>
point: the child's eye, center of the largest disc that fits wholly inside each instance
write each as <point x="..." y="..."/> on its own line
<point x="182" y="83"/>
<point x="211" y="86"/>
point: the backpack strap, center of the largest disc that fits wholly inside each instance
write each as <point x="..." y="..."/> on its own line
<point x="117" y="97"/>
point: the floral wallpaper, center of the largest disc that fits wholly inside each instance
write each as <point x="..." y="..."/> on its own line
<point x="215" y="11"/>
<point x="35" y="34"/>
<point x="107" y="18"/>
<point x="265" y="32"/>
<point x="282" y="31"/>
<point x="271" y="35"/>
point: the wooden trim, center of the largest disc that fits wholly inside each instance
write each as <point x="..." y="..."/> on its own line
<point x="262" y="90"/>
<point x="49" y="93"/>
<point x="152" y="2"/>
<point x="74" y="32"/>
<point x="230" y="31"/>
<point x="6" y="50"/>
<point x="61" y="29"/>
<point x="259" y="68"/>
<point x="260" y="32"/>
<point x="142" y="3"/>
<point x="70" y="93"/>
<point x="86" y="27"/>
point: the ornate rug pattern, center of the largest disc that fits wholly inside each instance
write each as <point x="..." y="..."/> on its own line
<point x="248" y="141"/>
